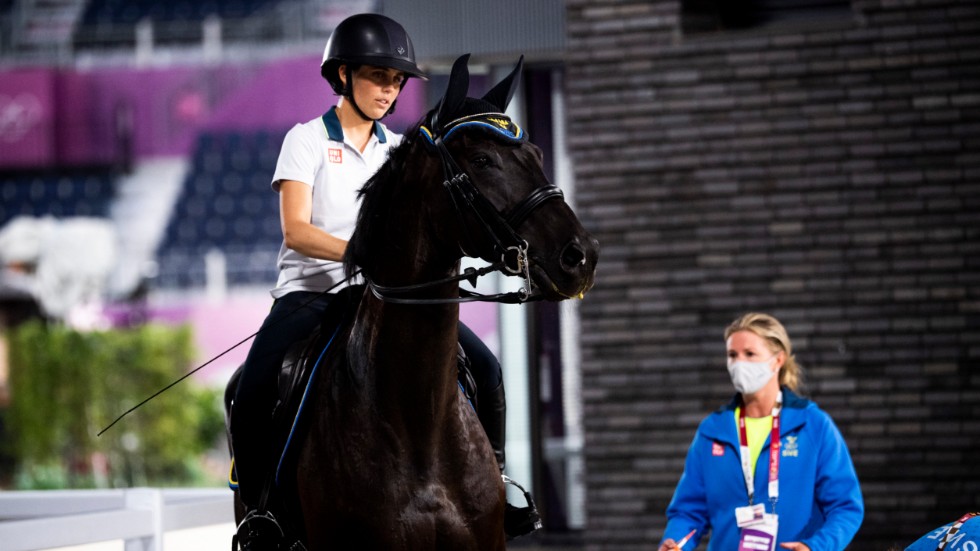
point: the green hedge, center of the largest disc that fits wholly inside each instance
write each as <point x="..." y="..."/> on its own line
<point x="66" y="386"/>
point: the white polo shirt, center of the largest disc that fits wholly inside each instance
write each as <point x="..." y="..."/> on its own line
<point x="316" y="154"/>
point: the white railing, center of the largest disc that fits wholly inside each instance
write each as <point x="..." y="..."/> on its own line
<point x="139" y="516"/>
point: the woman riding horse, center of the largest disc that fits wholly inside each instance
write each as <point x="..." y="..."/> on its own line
<point x="393" y="457"/>
<point x="321" y="167"/>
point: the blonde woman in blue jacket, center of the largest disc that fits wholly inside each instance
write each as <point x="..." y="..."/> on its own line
<point x="770" y="467"/>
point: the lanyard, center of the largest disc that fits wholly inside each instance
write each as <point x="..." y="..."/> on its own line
<point x="954" y="529"/>
<point x="743" y="444"/>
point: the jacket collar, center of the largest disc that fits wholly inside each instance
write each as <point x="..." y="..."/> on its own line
<point x="720" y="425"/>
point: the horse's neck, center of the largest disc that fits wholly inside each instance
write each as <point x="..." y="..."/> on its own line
<point x="412" y="353"/>
<point x="408" y="351"/>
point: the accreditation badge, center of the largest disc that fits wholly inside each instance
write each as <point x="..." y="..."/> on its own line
<point x="758" y="528"/>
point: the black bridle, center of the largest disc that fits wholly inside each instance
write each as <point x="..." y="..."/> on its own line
<point x="467" y="199"/>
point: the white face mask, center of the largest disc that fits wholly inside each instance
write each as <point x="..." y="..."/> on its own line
<point x="750" y="377"/>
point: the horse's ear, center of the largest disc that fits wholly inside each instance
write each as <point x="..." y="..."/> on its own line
<point x="503" y="92"/>
<point x="452" y="100"/>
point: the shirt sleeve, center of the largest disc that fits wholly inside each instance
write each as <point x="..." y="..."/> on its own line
<point x="299" y="157"/>
<point x="837" y="492"/>
<point x="688" y="509"/>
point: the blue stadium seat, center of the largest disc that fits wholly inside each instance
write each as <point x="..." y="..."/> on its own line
<point x="59" y="195"/>
<point x="130" y="11"/>
<point x="113" y="22"/>
<point x="227" y="204"/>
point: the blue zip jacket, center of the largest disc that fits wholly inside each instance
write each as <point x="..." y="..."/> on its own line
<point x="820" y="501"/>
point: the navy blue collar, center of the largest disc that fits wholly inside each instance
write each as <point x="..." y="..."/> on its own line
<point x="336" y="132"/>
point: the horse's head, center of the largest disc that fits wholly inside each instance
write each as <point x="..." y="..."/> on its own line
<point x="477" y="140"/>
<point x="495" y="201"/>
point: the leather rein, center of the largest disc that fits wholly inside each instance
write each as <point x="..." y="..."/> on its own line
<point x="467" y="199"/>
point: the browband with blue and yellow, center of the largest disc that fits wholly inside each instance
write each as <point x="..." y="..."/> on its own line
<point x="497" y="122"/>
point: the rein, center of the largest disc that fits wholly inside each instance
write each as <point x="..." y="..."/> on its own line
<point x="467" y="199"/>
<point x="388" y="294"/>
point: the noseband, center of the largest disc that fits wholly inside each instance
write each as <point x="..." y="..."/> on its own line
<point x="499" y="227"/>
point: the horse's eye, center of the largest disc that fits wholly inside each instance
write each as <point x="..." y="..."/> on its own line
<point x="481" y="161"/>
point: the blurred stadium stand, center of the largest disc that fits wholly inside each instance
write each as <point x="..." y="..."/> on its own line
<point x="131" y="11"/>
<point x="59" y="195"/>
<point x="60" y="29"/>
<point x="40" y="23"/>
<point x="226" y="206"/>
<point x="118" y="22"/>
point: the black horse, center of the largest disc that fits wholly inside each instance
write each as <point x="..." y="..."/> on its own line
<point x="391" y="455"/>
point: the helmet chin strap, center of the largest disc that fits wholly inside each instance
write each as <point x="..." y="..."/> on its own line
<point x="357" y="109"/>
<point x="349" y="94"/>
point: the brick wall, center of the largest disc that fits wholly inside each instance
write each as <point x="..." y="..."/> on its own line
<point x="826" y="173"/>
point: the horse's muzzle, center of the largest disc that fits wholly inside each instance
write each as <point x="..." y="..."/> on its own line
<point x="577" y="262"/>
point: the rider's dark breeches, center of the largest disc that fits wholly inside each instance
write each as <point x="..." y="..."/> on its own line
<point x="485" y="367"/>
<point x="251" y="419"/>
<point x="491" y="403"/>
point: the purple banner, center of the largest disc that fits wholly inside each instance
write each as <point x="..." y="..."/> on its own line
<point x="288" y="92"/>
<point x="26" y="117"/>
<point x="109" y="114"/>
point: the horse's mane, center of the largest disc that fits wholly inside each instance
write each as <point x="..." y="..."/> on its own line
<point x="377" y="205"/>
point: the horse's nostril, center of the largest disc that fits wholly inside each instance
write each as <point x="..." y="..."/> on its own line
<point x="572" y="256"/>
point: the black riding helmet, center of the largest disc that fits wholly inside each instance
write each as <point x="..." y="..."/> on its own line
<point x="368" y="39"/>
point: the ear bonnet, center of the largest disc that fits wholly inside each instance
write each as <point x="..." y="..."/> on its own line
<point x="456" y="111"/>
